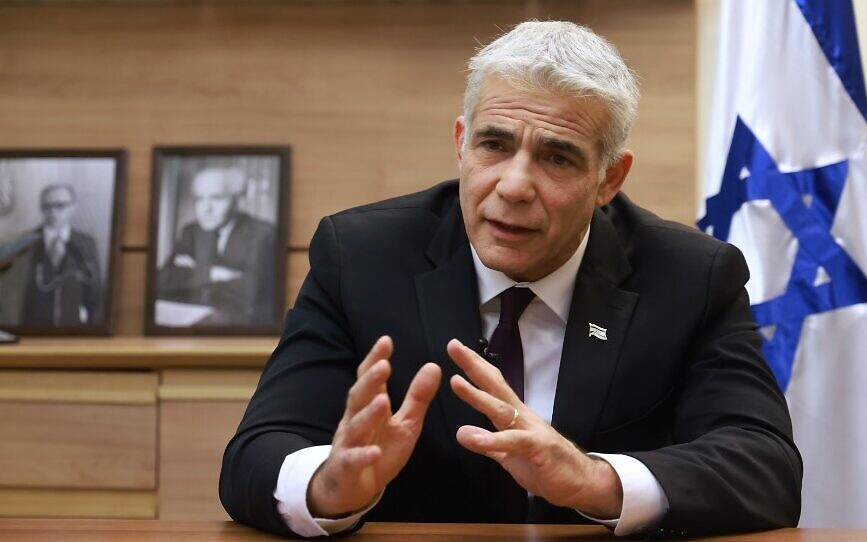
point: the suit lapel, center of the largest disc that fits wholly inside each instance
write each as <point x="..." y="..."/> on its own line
<point x="589" y="361"/>
<point x="449" y="304"/>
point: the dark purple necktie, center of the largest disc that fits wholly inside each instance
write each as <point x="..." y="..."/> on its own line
<point x="506" y="340"/>
<point x="511" y="499"/>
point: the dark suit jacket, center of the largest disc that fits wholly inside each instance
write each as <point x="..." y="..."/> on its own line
<point x="54" y="296"/>
<point x="679" y="384"/>
<point x="249" y="249"/>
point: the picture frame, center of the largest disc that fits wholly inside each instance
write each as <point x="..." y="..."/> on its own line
<point x="61" y="216"/>
<point x="218" y="240"/>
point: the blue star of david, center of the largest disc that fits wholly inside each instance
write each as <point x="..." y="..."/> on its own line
<point x="807" y="202"/>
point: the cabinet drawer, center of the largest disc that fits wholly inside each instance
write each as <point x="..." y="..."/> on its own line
<point x="199" y="413"/>
<point x="78" y="430"/>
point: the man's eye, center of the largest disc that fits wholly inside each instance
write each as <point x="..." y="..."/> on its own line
<point x="492" y="145"/>
<point x="559" y="160"/>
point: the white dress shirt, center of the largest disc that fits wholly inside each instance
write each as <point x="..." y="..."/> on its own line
<point x="51" y="235"/>
<point x="223" y="236"/>
<point x="543" y="326"/>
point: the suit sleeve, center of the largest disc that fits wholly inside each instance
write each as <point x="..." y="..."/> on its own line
<point x="173" y="281"/>
<point x="262" y="283"/>
<point x="301" y="394"/>
<point x="734" y="466"/>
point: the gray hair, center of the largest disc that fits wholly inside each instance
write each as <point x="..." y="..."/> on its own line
<point x="560" y="57"/>
<point x="47" y="189"/>
<point x="232" y="180"/>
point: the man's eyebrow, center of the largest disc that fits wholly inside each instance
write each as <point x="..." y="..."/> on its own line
<point x="561" y="144"/>
<point x="494" y="131"/>
<point x="565" y="146"/>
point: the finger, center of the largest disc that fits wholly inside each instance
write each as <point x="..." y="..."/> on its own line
<point x="368" y="385"/>
<point x="381" y="349"/>
<point x="360" y="429"/>
<point x="353" y="460"/>
<point x="474" y="438"/>
<point x="492" y="443"/>
<point x="499" y="412"/>
<point x="421" y="392"/>
<point x="480" y="372"/>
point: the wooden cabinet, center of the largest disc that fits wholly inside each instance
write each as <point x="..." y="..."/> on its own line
<point x="141" y="436"/>
<point x="78" y="443"/>
<point x="199" y="412"/>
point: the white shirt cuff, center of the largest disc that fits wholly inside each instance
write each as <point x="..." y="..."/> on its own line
<point x="644" y="500"/>
<point x="295" y="474"/>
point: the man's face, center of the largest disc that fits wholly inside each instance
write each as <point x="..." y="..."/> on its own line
<point x="215" y="205"/>
<point x="531" y="176"/>
<point x="57" y="206"/>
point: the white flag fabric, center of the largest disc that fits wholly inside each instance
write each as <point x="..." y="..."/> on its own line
<point x="786" y="181"/>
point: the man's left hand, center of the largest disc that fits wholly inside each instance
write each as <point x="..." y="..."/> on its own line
<point x="539" y="458"/>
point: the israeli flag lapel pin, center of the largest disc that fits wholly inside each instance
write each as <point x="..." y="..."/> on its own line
<point x="598" y="332"/>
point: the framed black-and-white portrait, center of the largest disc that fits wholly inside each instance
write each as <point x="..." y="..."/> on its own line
<point x="217" y="259"/>
<point x="60" y="216"/>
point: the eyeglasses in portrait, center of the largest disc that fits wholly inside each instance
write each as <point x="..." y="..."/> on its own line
<point x="59" y="240"/>
<point x="218" y="240"/>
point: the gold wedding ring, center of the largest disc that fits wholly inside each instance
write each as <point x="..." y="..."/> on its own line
<point x="514" y="420"/>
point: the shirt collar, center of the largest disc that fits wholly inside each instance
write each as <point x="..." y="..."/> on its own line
<point x="227" y="228"/>
<point x="554" y="289"/>
<point x="52" y="233"/>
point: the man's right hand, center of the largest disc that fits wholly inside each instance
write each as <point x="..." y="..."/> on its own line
<point x="371" y="445"/>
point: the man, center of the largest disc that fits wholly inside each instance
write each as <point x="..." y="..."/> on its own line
<point x="614" y="331"/>
<point x="64" y="287"/>
<point x="225" y="258"/>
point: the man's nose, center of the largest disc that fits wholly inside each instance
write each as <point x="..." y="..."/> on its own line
<point x="516" y="180"/>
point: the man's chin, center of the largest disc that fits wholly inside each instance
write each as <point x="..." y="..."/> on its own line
<point x="510" y="262"/>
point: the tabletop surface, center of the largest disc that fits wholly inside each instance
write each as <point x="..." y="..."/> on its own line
<point x="65" y="530"/>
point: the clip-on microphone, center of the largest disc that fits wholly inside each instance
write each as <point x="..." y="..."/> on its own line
<point x="482" y="350"/>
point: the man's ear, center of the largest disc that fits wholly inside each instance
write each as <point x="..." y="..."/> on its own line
<point x="460" y="132"/>
<point x="615" y="175"/>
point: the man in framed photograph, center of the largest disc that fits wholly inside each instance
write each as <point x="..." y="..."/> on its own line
<point x="64" y="286"/>
<point x="223" y="259"/>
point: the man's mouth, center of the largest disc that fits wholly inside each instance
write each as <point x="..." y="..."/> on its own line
<point x="510" y="229"/>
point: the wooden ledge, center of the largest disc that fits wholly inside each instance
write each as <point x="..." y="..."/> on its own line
<point x="137" y="352"/>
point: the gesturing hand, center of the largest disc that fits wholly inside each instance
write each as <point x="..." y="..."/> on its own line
<point x="371" y="445"/>
<point x="539" y="458"/>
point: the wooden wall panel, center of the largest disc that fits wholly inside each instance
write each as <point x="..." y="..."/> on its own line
<point x="130" y="304"/>
<point x="365" y="92"/>
<point x="298" y="267"/>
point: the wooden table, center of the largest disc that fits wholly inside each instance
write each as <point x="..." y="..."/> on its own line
<point x="65" y="530"/>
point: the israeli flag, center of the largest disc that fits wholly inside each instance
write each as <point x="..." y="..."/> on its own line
<point x="786" y="181"/>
